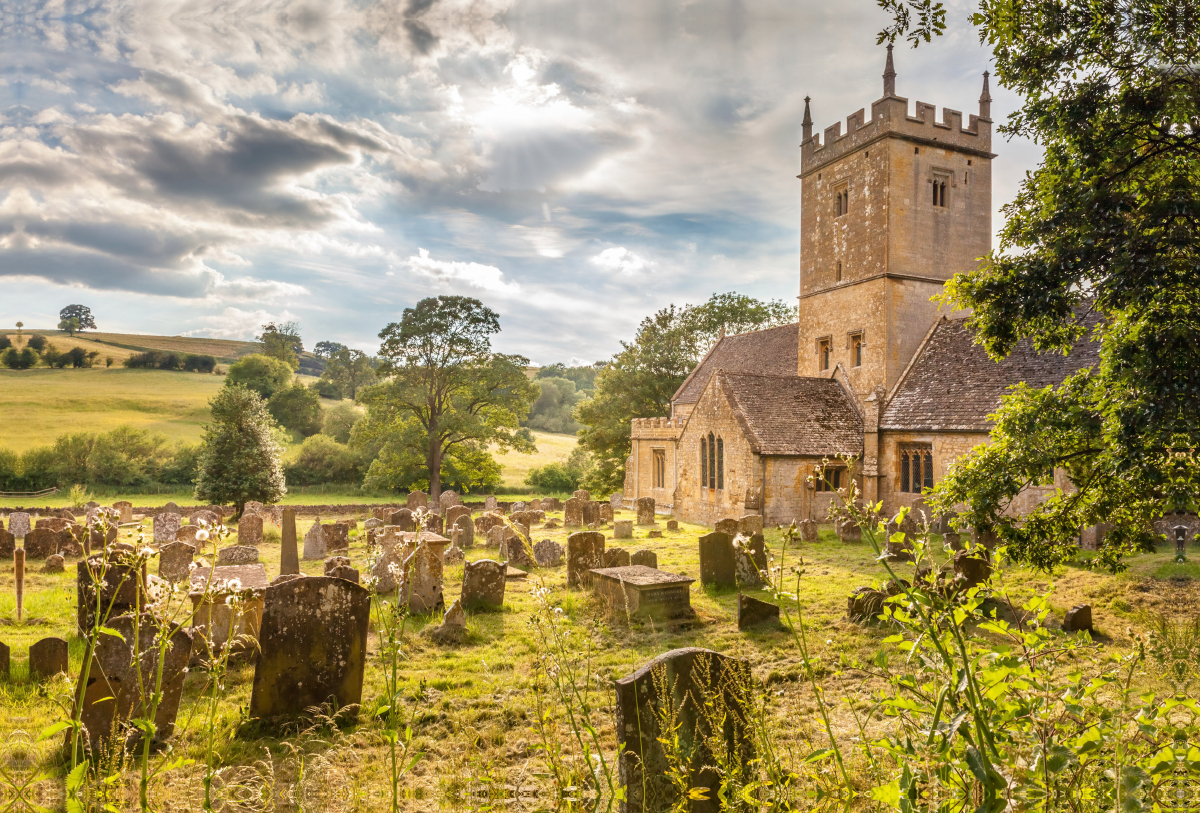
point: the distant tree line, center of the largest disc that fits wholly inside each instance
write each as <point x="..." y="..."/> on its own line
<point x="38" y="350"/>
<point x="165" y="360"/>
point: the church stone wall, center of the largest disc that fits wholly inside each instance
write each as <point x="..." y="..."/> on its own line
<point x="789" y="494"/>
<point x="650" y="435"/>
<point x="704" y="506"/>
<point x="948" y="447"/>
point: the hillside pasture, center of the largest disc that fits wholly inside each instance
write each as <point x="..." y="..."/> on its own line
<point x="550" y="449"/>
<point x="224" y="350"/>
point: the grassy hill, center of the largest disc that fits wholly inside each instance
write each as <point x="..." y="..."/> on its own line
<point x="121" y="346"/>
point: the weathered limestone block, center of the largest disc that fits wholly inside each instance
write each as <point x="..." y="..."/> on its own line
<point x="237" y="555"/>
<point x="422" y="579"/>
<point x="466" y="529"/>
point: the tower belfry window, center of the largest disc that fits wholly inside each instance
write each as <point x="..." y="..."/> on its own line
<point x="941" y="187"/>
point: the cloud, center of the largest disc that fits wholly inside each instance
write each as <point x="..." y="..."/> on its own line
<point x="484" y="277"/>
<point x="235" y="323"/>
<point x="620" y="260"/>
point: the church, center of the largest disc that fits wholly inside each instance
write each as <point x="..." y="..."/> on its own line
<point x="874" y="369"/>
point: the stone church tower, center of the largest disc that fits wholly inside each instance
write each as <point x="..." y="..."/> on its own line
<point x="890" y="210"/>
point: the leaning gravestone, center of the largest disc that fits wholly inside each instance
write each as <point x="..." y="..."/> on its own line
<point x="485" y="523"/>
<point x="548" y="553"/>
<point x="48" y="657"/>
<point x="124" y="510"/>
<point x="175" y="561"/>
<point x="585" y="551"/>
<point x="645" y="510"/>
<point x="166" y="525"/>
<point x="483" y="585"/>
<point x="18" y="524"/>
<point x="573" y="513"/>
<point x="623" y="529"/>
<point x="289" y="560"/>
<point x="417" y="499"/>
<point x="847" y="530"/>
<point x="752" y="611"/>
<point x="250" y="530"/>
<point x="422" y="574"/>
<point x="516" y="552"/>
<point x="237" y="555"/>
<point x="694" y="678"/>
<point x="466" y="529"/>
<point x="497" y="536"/>
<point x="1078" y="619"/>
<point x="40" y="543"/>
<point x="718" y="566"/>
<point x="312" y="646"/>
<point x="617" y="501"/>
<point x="111" y="695"/>
<point x="314" y="542"/>
<point x="646" y="558"/>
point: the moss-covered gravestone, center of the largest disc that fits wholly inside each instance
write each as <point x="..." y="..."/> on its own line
<point x="313" y="646"/>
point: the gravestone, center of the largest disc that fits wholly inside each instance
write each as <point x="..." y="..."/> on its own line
<point x="314" y="542"/>
<point x="749" y="560"/>
<point x="517" y="506"/>
<point x="403" y="519"/>
<point x="237" y="555"/>
<point x="552" y="504"/>
<point x="312" y="647"/>
<point x="1078" y="619"/>
<point x="447" y="499"/>
<point x="615" y="557"/>
<point x="422" y="575"/>
<point x="644" y="591"/>
<point x="417" y="499"/>
<point x="865" y="604"/>
<point x="718" y="566"/>
<point x="727" y="526"/>
<point x="117" y="587"/>
<point x="485" y="523"/>
<point x="175" y="561"/>
<point x="208" y="518"/>
<point x="535" y="504"/>
<point x="337" y="535"/>
<point x="387" y="565"/>
<point x="691" y="676"/>
<point x="847" y="530"/>
<point x="645" y="510"/>
<point x="750" y="524"/>
<point x="187" y="533"/>
<point x="616" y="501"/>
<point x="55" y="524"/>
<point x="582" y="494"/>
<point x="250" y="530"/>
<point x="490" y="504"/>
<point x="251" y="507"/>
<point x="606" y="512"/>
<point x="623" y="529"/>
<point x="466" y="530"/>
<point x="483" y="585"/>
<point x="517" y="552"/>
<point x="672" y="525"/>
<point x="433" y="522"/>
<point x="124" y="510"/>
<point x="453" y="627"/>
<point x="55" y="563"/>
<point x="18" y="524"/>
<point x="809" y="532"/>
<point x="112" y="696"/>
<point x="573" y="513"/>
<point x="5" y="660"/>
<point x="215" y="621"/>
<point x="40" y="543"/>
<point x="752" y="612"/>
<point x="585" y="551"/>
<point x="8" y="544"/>
<point x="591" y="513"/>
<point x="548" y="553"/>
<point x="645" y="558"/>
<point x="497" y="535"/>
<point x="48" y="657"/>
<point x="289" y="555"/>
<point x="454" y="512"/>
<point x="971" y="570"/>
<point x="454" y="553"/>
<point x="373" y="523"/>
<point x="344" y="572"/>
<point x="166" y="525"/>
<point x="102" y="535"/>
<point x="952" y="540"/>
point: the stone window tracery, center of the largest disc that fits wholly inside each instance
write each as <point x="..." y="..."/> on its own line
<point x="916" y="467"/>
<point x="660" y="468"/>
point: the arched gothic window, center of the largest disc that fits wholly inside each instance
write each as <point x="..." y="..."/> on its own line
<point x="720" y="463"/>
<point x="703" y="463"/>
<point x="712" y="461"/>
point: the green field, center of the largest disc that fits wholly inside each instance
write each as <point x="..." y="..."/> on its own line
<point x="122" y="345"/>
<point x="550" y="449"/>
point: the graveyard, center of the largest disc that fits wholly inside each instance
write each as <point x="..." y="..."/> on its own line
<point x="472" y="652"/>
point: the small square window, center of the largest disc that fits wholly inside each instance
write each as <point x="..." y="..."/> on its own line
<point x="916" y="150"/>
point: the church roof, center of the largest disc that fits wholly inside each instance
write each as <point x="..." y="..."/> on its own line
<point x="952" y="384"/>
<point x="771" y="352"/>
<point x="794" y="415"/>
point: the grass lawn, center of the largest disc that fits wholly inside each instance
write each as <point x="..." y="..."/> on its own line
<point x="550" y="449"/>
<point x="472" y="707"/>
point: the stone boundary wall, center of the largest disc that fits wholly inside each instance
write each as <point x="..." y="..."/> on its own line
<point x="301" y="510"/>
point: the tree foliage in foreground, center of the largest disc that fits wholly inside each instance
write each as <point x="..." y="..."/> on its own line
<point x="1102" y="243"/>
<point x="639" y="380"/>
<point x="240" y="459"/>
<point x="447" y="398"/>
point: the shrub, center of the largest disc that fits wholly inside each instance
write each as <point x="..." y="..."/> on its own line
<point x="553" y="478"/>
<point x="323" y="460"/>
<point x="260" y="374"/>
<point x="79" y="496"/>
<point x="163" y="360"/>
<point x="5" y="342"/>
<point x="53" y="357"/>
<point x="339" y="421"/>
<point x="183" y="465"/>
<point x="16" y="359"/>
<point x="240" y="459"/>
<point x="327" y="389"/>
<point x="37" y="343"/>
<point x="297" y="408"/>
<point x="196" y="363"/>
<point x="10" y="471"/>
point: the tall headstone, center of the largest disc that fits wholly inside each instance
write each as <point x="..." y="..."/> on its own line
<point x="111" y="694"/>
<point x="585" y="551"/>
<point x="48" y="657"/>
<point x="490" y="503"/>
<point x="483" y="585"/>
<point x="591" y="513"/>
<point x="403" y="519"/>
<point x="18" y="524"/>
<point x="573" y="513"/>
<point x="314" y="542"/>
<point x="337" y="535"/>
<point x="645" y="510"/>
<point x="693" y="677"/>
<point x="447" y="499"/>
<point x="750" y="560"/>
<point x="250" y="530"/>
<point x="466" y="529"/>
<point x="312" y="646"/>
<point x="417" y="499"/>
<point x="422" y="587"/>
<point x="8" y="544"/>
<point x="175" y="561"/>
<point x="617" y="501"/>
<point x="718" y="567"/>
<point x="166" y="525"/>
<point x="289" y="555"/>
<point x="750" y="524"/>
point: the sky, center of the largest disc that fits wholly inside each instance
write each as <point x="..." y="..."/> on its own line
<point x="202" y="167"/>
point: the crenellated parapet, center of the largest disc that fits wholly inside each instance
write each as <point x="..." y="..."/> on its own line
<point x="656" y="428"/>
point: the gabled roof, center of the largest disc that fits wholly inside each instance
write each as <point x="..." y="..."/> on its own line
<point x="770" y="352"/>
<point x="952" y="384"/>
<point x="793" y="415"/>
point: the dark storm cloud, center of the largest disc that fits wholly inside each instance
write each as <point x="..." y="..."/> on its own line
<point x="72" y="267"/>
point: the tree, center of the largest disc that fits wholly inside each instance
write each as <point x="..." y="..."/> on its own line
<point x="326" y="350"/>
<point x="70" y="325"/>
<point x="552" y="411"/>
<point x="5" y="342"/>
<point x="1102" y="243"/>
<point x="262" y="374"/>
<point x="20" y="325"/>
<point x="15" y="359"/>
<point x="733" y="313"/>
<point x="282" y="342"/>
<point x="584" y="378"/>
<point x="349" y="370"/>
<point x="340" y="421"/>
<point x="80" y="312"/>
<point x="239" y="458"/>
<point x="447" y="395"/>
<point x="297" y="409"/>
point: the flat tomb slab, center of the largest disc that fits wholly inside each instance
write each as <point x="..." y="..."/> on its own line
<point x="644" y="590"/>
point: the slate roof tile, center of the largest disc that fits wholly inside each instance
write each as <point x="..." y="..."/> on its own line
<point x="771" y="352"/>
<point x="794" y="415"/>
